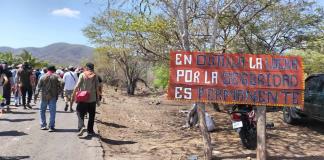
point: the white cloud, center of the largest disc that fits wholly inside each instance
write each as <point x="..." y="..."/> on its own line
<point x="66" y="12"/>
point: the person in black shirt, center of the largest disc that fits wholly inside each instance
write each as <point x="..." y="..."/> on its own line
<point x="7" y="86"/>
<point x="23" y="79"/>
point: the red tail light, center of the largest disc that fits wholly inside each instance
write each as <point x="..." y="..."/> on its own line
<point x="236" y="116"/>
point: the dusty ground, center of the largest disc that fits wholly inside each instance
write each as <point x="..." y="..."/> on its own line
<point x="133" y="128"/>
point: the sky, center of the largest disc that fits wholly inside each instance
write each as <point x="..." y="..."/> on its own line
<point x="38" y="23"/>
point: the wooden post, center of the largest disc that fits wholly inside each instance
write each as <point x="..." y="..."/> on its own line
<point x="261" y="133"/>
<point x="204" y="131"/>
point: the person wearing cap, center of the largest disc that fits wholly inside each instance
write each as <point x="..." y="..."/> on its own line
<point x="70" y="79"/>
<point x="50" y="85"/>
<point x="88" y="81"/>
<point x="25" y="84"/>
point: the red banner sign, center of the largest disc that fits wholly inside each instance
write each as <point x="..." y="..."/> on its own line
<point x="236" y="78"/>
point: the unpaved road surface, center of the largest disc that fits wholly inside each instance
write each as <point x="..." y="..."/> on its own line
<point x="21" y="137"/>
<point x="135" y="128"/>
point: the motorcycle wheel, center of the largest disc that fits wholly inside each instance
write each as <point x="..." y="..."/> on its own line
<point x="287" y="115"/>
<point x="249" y="137"/>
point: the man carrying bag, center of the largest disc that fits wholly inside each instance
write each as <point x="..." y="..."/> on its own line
<point x="85" y="94"/>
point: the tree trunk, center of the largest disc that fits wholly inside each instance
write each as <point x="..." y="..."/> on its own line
<point x="204" y="131"/>
<point x="131" y="88"/>
<point x="261" y="133"/>
<point x="185" y="25"/>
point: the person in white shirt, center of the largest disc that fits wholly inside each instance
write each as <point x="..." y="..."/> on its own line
<point x="70" y="79"/>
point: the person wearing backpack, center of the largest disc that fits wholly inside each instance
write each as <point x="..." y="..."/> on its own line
<point x="70" y="78"/>
<point x="50" y="85"/>
<point x="86" y="95"/>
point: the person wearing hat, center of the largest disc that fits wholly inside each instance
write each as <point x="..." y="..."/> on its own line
<point x="50" y="85"/>
<point x="88" y="82"/>
<point x="25" y="84"/>
<point x="70" y="79"/>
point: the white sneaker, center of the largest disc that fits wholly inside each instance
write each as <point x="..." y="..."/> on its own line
<point x="82" y="130"/>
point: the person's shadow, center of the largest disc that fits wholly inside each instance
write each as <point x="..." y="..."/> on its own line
<point x="116" y="142"/>
<point x="12" y="133"/>
<point x="66" y="130"/>
<point x="17" y="120"/>
<point x="14" y="157"/>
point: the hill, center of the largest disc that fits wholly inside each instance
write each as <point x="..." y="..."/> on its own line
<point x="57" y="53"/>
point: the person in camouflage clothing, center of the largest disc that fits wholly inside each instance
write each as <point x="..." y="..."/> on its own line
<point x="51" y="86"/>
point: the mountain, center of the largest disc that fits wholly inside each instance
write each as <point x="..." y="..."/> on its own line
<point x="57" y="53"/>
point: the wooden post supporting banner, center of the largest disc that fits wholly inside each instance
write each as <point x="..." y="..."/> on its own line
<point x="261" y="133"/>
<point x="204" y="131"/>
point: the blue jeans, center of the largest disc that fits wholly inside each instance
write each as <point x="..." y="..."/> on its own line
<point x="17" y="98"/>
<point x="52" y="109"/>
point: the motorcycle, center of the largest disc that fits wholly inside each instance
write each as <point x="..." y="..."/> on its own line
<point x="244" y="122"/>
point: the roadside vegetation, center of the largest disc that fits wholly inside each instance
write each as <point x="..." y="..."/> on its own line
<point x="25" y="56"/>
<point x="133" y="41"/>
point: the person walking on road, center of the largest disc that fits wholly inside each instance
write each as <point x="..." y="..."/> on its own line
<point x="50" y="85"/>
<point x="70" y="78"/>
<point x="7" y="86"/>
<point x="3" y="81"/>
<point x="16" y="89"/>
<point x="88" y="82"/>
<point x="25" y="85"/>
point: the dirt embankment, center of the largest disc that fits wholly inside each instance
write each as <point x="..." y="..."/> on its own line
<point x="135" y="128"/>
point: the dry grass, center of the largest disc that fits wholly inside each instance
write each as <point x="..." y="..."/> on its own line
<point x="133" y="128"/>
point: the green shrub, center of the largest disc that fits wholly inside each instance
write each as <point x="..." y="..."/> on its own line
<point x="161" y="76"/>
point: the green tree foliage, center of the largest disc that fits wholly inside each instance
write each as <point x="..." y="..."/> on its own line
<point x="280" y="27"/>
<point x="147" y="30"/>
<point x="114" y="35"/>
<point x="25" y="56"/>
<point x="313" y="54"/>
<point x="313" y="61"/>
<point x="161" y="73"/>
<point x="8" y="57"/>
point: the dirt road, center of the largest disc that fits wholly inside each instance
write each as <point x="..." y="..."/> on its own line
<point x="138" y="129"/>
<point x="21" y="137"/>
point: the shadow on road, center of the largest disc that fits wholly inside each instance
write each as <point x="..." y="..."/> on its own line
<point x="64" y="112"/>
<point x="66" y="130"/>
<point x="303" y="141"/>
<point x="111" y="124"/>
<point x="296" y="158"/>
<point x="116" y="142"/>
<point x="22" y="112"/>
<point x="12" y="133"/>
<point x="272" y="157"/>
<point x="17" y="120"/>
<point x="14" y="157"/>
<point x="313" y="125"/>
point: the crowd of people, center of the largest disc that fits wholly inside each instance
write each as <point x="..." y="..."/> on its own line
<point x="25" y="83"/>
